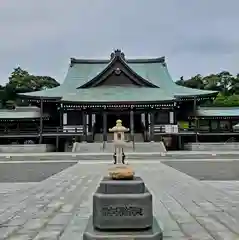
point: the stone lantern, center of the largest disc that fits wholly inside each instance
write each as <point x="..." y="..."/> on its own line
<point x="119" y="142"/>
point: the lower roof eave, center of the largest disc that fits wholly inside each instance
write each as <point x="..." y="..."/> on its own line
<point x="191" y="97"/>
<point x="40" y="97"/>
<point x="119" y="102"/>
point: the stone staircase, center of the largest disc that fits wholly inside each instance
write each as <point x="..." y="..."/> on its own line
<point x="26" y="148"/>
<point x="98" y="138"/>
<point x="138" y="137"/>
<point x="213" y="146"/>
<point x="108" y="147"/>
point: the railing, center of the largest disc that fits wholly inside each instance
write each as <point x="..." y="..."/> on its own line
<point x="230" y="140"/>
<point x="158" y="129"/>
<point x="166" y="128"/>
<point x="19" y="131"/>
<point x="207" y="130"/>
<point x="79" y="131"/>
<point x="45" y="130"/>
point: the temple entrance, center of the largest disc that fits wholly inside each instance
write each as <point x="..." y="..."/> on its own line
<point x="112" y="117"/>
<point x="138" y="123"/>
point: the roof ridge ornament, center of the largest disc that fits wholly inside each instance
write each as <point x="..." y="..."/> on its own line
<point x="117" y="53"/>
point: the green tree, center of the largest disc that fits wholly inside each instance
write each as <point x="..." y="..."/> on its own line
<point x="21" y="81"/>
<point x="232" y="101"/>
<point x="235" y="85"/>
<point x="211" y="82"/>
<point x="194" y="82"/>
<point x="220" y="100"/>
<point x="224" y="82"/>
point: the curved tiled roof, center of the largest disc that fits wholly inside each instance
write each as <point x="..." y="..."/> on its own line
<point x="218" y="111"/>
<point x="117" y="94"/>
<point x="153" y="70"/>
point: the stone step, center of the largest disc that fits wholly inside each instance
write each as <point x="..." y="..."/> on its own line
<point x="26" y="148"/>
<point x="213" y="146"/>
<point x="98" y="138"/>
<point x="108" y="147"/>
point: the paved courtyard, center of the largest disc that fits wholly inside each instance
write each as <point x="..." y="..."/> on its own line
<point x="58" y="207"/>
<point x="228" y="187"/>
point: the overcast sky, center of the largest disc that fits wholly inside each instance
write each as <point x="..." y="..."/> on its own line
<point x="196" y="36"/>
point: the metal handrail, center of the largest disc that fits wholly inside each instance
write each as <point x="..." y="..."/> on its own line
<point x="228" y="140"/>
<point x="93" y="131"/>
<point x="133" y="141"/>
<point x="144" y="131"/>
<point x="104" y="144"/>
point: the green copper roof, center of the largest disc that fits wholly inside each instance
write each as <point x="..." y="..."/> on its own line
<point x="154" y="71"/>
<point x="157" y="73"/>
<point x="218" y="111"/>
<point x="117" y="94"/>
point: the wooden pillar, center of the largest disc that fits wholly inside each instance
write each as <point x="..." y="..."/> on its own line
<point x="172" y="117"/>
<point x="104" y="126"/>
<point x="210" y="125"/>
<point x="230" y="125"/>
<point x="146" y="121"/>
<point x="41" y="121"/>
<point x="218" y="126"/>
<point x="57" y="142"/>
<point x="90" y="122"/>
<point x="151" y="126"/>
<point x="18" y="127"/>
<point x="132" y="125"/>
<point x="179" y="142"/>
<point x="64" y="122"/>
<point x="61" y="115"/>
<point x="84" y="126"/>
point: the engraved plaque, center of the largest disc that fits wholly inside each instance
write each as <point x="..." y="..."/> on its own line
<point x="122" y="211"/>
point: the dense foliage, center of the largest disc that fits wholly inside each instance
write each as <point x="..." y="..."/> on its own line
<point x="21" y="81"/>
<point x="224" y="82"/>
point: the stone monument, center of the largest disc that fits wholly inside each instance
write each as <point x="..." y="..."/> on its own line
<point x="122" y="204"/>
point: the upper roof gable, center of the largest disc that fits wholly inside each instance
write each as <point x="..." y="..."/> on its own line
<point x="82" y="71"/>
<point x="116" y="67"/>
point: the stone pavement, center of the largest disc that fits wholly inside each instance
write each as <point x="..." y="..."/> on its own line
<point x="10" y="189"/>
<point x="229" y="187"/>
<point x="58" y="207"/>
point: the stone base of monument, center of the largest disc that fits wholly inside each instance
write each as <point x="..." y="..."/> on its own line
<point x="153" y="233"/>
<point x="109" y="186"/>
<point x="122" y="209"/>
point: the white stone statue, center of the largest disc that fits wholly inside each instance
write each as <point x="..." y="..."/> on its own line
<point x="119" y="141"/>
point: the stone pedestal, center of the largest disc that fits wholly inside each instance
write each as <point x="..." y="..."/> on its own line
<point x="122" y="209"/>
